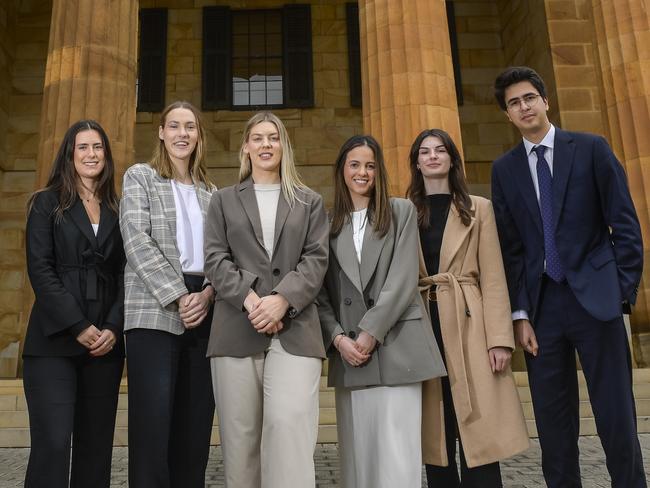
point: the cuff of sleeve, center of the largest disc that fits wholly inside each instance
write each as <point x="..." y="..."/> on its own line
<point x="519" y="315"/>
<point x="501" y="341"/>
<point x="79" y="327"/>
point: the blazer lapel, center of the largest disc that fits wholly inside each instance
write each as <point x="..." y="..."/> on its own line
<point x="79" y="216"/>
<point x="280" y="218"/>
<point x="203" y="195"/>
<point x="524" y="181"/>
<point x="107" y="221"/>
<point x="166" y="194"/>
<point x="563" y="154"/>
<point x="346" y="255"/>
<point x="453" y="237"/>
<point x="249" y="202"/>
<point x="370" y="252"/>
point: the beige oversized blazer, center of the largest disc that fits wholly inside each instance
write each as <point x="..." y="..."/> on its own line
<point x="153" y="277"/>
<point x="236" y="261"/>
<point x="475" y="316"/>
<point x="379" y="295"/>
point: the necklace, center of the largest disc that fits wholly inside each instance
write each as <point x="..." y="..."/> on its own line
<point x="91" y="196"/>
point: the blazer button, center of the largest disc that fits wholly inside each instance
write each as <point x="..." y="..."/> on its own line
<point x="371" y="302"/>
<point x="352" y="334"/>
<point x="348" y="301"/>
<point x="276" y="271"/>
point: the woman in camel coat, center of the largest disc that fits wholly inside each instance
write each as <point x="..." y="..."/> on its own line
<point x="469" y="302"/>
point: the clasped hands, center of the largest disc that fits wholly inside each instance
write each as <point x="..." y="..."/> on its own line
<point x="98" y="342"/>
<point x="355" y="352"/>
<point x="266" y="313"/>
<point x="193" y="307"/>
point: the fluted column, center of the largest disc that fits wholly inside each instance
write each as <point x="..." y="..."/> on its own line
<point x="623" y="39"/>
<point x="90" y="73"/>
<point x="407" y="77"/>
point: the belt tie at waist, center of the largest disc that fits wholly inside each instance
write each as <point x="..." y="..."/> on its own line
<point x="93" y="265"/>
<point x="458" y="304"/>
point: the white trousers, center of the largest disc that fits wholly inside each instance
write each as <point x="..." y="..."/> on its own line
<point x="379" y="432"/>
<point x="268" y="418"/>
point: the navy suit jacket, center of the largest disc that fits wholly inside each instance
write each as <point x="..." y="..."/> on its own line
<point x="596" y="228"/>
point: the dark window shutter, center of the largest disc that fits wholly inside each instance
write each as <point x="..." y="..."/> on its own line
<point x="152" y="68"/>
<point x="298" y="78"/>
<point x="453" y="40"/>
<point x="354" y="53"/>
<point x="217" y="78"/>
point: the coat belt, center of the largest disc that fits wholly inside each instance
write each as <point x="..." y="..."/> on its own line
<point x="456" y="300"/>
<point x="94" y="267"/>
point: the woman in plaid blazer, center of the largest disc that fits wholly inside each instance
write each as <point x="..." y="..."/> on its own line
<point x="168" y="307"/>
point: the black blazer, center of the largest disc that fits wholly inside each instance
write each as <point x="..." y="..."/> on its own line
<point x="597" y="231"/>
<point x="77" y="278"/>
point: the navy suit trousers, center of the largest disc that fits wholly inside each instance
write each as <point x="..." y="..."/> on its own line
<point x="563" y="327"/>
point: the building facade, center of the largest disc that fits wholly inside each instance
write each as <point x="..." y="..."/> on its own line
<point x="329" y="69"/>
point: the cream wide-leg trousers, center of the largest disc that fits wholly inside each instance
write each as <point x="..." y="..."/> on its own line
<point x="379" y="433"/>
<point x="268" y="418"/>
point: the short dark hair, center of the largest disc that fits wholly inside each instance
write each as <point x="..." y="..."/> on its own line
<point x="516" y="74"/>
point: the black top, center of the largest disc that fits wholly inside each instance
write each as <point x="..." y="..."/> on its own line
<point x="77" y="277"/>
<point x="431" y="238"/>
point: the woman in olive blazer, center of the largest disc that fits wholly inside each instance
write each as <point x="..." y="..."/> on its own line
<point x="379" y="339"/>
<point x="266" y="254"/>
<point x="74" y="350"/>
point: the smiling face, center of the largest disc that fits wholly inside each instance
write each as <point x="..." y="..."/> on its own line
<point x="88" y="155"/>
<point x="180" y="135"/>
<point x="530" y="117"/>
<point x="434" y="161"/>
<point x="264" y="149"/>
<point x="359" y="175"/>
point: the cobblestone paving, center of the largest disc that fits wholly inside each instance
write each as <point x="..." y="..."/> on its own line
<point x="523" y="471"/>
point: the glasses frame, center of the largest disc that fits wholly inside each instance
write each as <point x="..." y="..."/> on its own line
<point x="530" y="99"/>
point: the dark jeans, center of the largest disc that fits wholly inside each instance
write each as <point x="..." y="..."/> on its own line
<point x="71" y="397"/>
<point x="486" y="476"/>
<point x="562" y="327"/>
<point x="171" y="406"/>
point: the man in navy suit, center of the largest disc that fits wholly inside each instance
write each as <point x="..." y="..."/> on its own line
<point x="573" y="254"/>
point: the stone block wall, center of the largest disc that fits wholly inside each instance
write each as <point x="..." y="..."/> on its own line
<point x="316" y="133"/>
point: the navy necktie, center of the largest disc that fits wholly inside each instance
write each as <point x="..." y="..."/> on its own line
<point x="554" y="268"/>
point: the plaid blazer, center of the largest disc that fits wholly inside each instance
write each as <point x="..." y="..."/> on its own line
<point x="153" y="278"/>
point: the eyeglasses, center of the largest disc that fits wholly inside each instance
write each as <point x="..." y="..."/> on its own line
<point x="517" y="103"/>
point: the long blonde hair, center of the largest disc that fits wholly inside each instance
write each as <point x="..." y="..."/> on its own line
<point x="291" y="183"/>
<point x="162" y="163"/>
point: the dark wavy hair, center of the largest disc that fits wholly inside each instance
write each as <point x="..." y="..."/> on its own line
<point x="63" y="177"/>
<point x="517" y="74"/>
<point x="379" y="212"/>
<point x="457" y="183"/>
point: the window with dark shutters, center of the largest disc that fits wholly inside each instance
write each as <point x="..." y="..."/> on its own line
<point x="152" y="60"/>
<point x="216" y="72"/>
<point x="298" y="77"/>
<point x="354" y="53"/>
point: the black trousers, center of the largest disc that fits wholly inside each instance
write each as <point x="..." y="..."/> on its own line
<point x="71" y="397"/>
<point x="485" y="476"/>
<point x="171" y="407"/>
<point x="562" y="327"/>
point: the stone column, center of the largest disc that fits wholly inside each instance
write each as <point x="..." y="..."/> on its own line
<point x="90" y="73"/>
<point x="623" y="40"/>
<point x="407" y="77"/>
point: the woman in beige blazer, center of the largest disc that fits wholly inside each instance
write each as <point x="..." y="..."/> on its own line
<point x="463" y="279"/>
<point x="266" y="254"/>
<point x="168" y="306"/>
<point x="379" y="339"/>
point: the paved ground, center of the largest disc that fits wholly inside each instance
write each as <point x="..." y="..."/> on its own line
<point x="524" y="471"/>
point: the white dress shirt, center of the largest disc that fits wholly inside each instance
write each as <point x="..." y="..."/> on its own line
<point x="189" y="228"/>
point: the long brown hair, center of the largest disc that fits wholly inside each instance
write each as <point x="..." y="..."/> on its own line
<point x="290" y="180"/>
<point x="379" y="211"/>
<point x="457" y="183"/>
<point x="162" y="163"/>
<point x="63" y="177"/>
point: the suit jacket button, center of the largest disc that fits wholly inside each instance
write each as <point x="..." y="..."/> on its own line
<point x="352" y="334"/>
<point x="276" y="271"/>
<point x="348" y="301"/>
<point x="371" y="302"/>
<point x="292" y="312"/>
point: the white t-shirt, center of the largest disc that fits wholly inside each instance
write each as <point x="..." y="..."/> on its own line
<point x="189" y="228"/>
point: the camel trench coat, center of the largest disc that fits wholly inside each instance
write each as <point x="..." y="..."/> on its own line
<point x="475" y="316"/>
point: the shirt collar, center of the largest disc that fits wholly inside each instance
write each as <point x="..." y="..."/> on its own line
<point x="548" y="141"/>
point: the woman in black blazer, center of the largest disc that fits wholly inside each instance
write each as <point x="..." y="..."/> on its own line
<point x="74" y="350"/>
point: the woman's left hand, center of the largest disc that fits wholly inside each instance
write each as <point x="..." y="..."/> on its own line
<point x="499" y="358"/>
<point x="104" y="344"/>
<point x="269" y="313"/>
<point x="365" y="343"/>
<point x="195" y="306"/>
